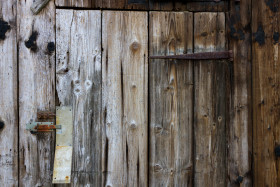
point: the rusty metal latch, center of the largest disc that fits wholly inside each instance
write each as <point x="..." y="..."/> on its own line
<point x="199" y="56"/>
<point x="35" y="127"/>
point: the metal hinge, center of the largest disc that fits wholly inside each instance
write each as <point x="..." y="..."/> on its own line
<point x="35" y="127"/>
<point x="199" y="56"/>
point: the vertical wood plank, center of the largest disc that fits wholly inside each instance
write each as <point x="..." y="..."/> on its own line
<point x="210" y="102"/>
<point x="78" y="71"/>
<point x="36" y="37"/>
<point x="266" y="97"/>
<point x="124" y="92"/>
<point x="171" y="100"/>
<point x="8" y="94"/>
<point x="240" y="128"/>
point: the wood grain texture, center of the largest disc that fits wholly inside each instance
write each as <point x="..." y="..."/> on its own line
<point x="36" y="36"/>
<point x="266" y="97"/>
<point x="124" y="95"/>
<point x="240" y="128"/>
<point x="171" y="100"/>
<point x="210" y="78"/>
<point x="8" y="94"/>
<point x="78" y="72"/>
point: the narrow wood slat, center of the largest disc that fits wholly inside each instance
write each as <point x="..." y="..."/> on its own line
<point x="210" y="102"/>
<point x="36" y="58"/>
<point x="266" y="80"/>
<point x="8" y="94"/>
<point x="78" y="72"/>
<point x="124" y="95"/>
<point x="171" y="100"/>
<point x="240" y="128"/>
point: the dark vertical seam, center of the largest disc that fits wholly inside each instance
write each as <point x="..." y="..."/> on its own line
<point x="148" y="104"/>
<point x="193" y="107"/>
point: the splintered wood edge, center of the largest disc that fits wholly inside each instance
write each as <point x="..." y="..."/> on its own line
<point x="38" y="5"/>
<point x="63" y="149"/>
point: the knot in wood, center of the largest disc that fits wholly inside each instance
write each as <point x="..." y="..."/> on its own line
<point x="2" y="124"/>
<point x="157" y="168"/>
<point x="135" y="46"/>
<point x="277" y="151"/>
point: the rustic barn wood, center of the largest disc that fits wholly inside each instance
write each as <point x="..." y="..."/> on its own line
<point x="8" y="94"/>
<point x="266" y="80"/>
<point x="171" y="100"/>
<point x="124" y="97"/>
<point x="36" y="59"/>
<point x="78" y="84"/>
<point x="210" y="79"/>
<point x="240" y="128"/>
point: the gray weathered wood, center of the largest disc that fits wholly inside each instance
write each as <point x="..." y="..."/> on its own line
<point x="38" y="5"/>
<point x="124" y="92"/>
<point x="210" y="102"/>
<point x="78" y="71"/>
<point x="36" y="37"/>
<point x="8" y="94"/>
<point x="171" y="100"/>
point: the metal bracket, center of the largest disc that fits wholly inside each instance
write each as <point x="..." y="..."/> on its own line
<point x="199" y="56"/>
<point x="35" y="127"/>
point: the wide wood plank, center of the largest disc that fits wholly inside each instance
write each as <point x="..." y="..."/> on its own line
<point x="36" y="37"/>
<point x="210" y="102"/>
<point x="171" y="100"/>
<point x="124" y="95"/>
<point x="78" y="71"/>
<point x="8" y="94"/>
<point x="240" y="128"/>
<point x="266" y="97"/>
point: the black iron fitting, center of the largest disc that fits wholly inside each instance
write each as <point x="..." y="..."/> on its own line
<point x="219" y="55"/>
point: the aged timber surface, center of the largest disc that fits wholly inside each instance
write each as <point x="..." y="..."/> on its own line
<point x="78" y="71"/>
<point x="240" y="128"/>
<point x="36" y="61"/>
<point x="124" y="95"/>
<point x="8" y="94"/>
<point x="266" y="92"/>
<point x="210" y="79"/>
<point x="171" y="100"/>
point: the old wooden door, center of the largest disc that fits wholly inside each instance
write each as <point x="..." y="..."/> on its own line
<point x="137" y="122"/>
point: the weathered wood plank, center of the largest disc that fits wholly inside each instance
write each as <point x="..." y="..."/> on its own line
<point x="124" y="94"/>
<point x="78" y="71"/>
<point x="210" y="102"/>
<point x="8" y="94"/>
<point x="240" y="128"/>
<point x="266" y="97"/>
<point x="36" y="37"/>
<point x="171" y="100"/>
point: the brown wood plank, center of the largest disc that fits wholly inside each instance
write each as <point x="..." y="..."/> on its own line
<point x="8" y="94"/>
<point x="36" y="37"/>
<point x="78" y="84"/>
<point x="210" y="79"/>
<point x="124" y="95"/>
<point x="171" y="100"/>
<point x="266" y="97"/>
<point x="240" y="128"/>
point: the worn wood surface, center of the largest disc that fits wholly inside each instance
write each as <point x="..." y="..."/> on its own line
<point x="210" y="79"/>
<point x="78" y="72"/>
<point x="38" y="5"/>
<point x="171" y="100"/>
<point x="124" y="95"/>
<point x="266" y="80"/>
<point x="8" y="94"/>
<point x="240" y="128"/>
<point x="36" y="59"/>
